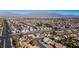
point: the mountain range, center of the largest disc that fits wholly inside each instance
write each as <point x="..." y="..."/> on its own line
<point x="36" y="15"/>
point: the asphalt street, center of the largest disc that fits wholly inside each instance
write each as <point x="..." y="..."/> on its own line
<point x="5" y="40"/>
<point x="39" y="43"/>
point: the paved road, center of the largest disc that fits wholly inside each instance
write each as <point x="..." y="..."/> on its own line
<point x="5" y="40"/>
<point x="39" y="44"/>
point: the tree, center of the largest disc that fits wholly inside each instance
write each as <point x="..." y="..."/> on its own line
<point x="16" y="41"/>
<point x="69" y="42"/>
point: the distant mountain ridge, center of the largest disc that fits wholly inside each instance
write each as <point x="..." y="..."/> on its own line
<point x="36" y="15"/>
<point x="43" y="15"/>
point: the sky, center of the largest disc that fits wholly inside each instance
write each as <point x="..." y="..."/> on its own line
<point x="65" y="12"/>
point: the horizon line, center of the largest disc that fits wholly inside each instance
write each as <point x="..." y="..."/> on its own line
<point x="39" y="12"/>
